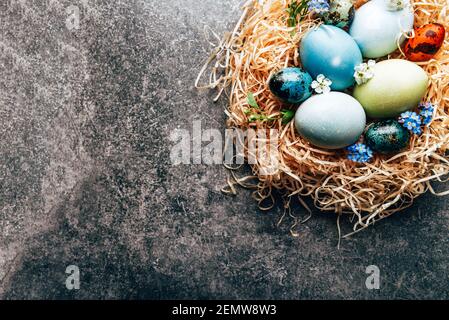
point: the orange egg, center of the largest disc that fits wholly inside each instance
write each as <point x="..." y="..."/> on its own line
<point x="425" y="44"/>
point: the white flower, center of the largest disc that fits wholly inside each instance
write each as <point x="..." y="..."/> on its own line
<point x="322" y="84"/>
<point x="364" y="72"/>
<point x="396" y="5"/>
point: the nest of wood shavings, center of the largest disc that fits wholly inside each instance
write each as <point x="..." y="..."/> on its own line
<point x="260" y="45"/>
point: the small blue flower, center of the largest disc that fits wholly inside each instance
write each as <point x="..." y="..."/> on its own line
<point x="426" y="112"/>
<point x="411" y="121"/>
<point x="359" y="152"/>
<point x="319" y="6"/>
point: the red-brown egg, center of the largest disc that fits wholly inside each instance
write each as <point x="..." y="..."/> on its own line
<point x="425" y="44"/>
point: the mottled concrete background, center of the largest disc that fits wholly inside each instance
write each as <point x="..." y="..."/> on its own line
<point x="86" y="180"/>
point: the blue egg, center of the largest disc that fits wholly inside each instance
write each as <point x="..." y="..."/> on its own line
<point x="291" y="85"/>
<point x="331" y="51"/>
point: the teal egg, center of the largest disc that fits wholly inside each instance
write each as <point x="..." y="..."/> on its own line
<point x="387" y="136"/>
<point x="291" y="85"/>
<point x="332" y="120"/>
<point x="340" y="14"/>
<point x="330" y="51"/>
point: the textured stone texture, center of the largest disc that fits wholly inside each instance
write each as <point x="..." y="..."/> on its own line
<point x="85" y="179"/>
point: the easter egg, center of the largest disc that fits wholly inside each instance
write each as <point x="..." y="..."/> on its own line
<point x="397" y="86"/>
<point x="291" y="85"/>
<point x="340" y="14"/>
<point x="387" y="136"/>
<point x="378" y="30"/>
<point x="330" y="51"/>
<point x="332" y="120"/>
<point x="425" y="44"/>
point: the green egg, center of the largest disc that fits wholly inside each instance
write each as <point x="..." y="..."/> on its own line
<point x="398" y="85"/>
<point x="387" y="136"/>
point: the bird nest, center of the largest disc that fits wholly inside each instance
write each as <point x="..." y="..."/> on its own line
<point x="261" y="44"/>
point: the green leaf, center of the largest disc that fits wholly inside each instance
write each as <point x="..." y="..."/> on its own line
<point x="287" y="116"/>
<point x="254" y="117"/>
<point x="297" y="9"/>
<point x="252" y="101"/>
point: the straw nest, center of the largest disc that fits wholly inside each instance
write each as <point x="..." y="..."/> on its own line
<point x="261" y="44"/>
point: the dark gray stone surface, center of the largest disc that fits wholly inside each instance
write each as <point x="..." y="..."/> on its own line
<point x="86" y="179"/>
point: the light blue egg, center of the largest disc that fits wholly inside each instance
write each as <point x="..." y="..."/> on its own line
<point x="332" y="120"/>
<point x="330" y="51"/>
<point x="378" y="30"/>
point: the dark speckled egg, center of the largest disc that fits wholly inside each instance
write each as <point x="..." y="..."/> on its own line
<point x="387" y="136"/>
<point x="341" y="13"/>
<point x="291" y="85"/>
<point x="425" y="44"/>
